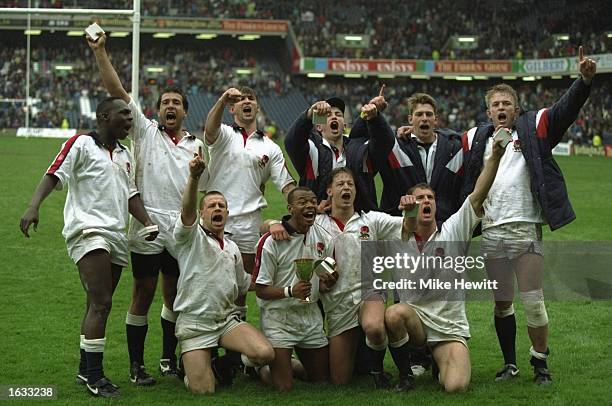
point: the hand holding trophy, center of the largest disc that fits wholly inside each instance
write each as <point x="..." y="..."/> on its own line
<point x="304" y="269"/>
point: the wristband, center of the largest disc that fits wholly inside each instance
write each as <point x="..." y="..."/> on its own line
<point x="290" y="289"/>
<point x="272" y="222"/>
<point x="286" y="291"/>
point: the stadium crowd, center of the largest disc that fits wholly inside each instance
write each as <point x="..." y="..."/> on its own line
<point x="408" y="30"/>
<point x="457" y="101"/>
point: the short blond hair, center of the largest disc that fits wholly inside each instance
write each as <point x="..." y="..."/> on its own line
<point x="501" y="88"/>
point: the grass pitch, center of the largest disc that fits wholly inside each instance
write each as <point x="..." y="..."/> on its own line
<point x="42" y="304"/>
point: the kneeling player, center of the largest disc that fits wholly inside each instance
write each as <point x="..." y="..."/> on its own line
<point x="433" y="318"/>
<point x="286" y="319"/>
<point x="211" y="279"/>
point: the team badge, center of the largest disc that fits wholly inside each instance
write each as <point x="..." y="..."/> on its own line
<point x="263" y="161"/>
<point x="439" y="252"/>
<point x="364" y="233"/>
<point x="320" y="248"/>
<point x="516" y="144"/>
<point x="128" y="168"/>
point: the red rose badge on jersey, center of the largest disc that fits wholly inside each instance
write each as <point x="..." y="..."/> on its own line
<point x="263" y="161"/>
<point x="364" y="233"/>
<point x="320" y="248"/>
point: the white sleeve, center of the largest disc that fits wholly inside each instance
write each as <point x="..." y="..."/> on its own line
<point x="242" y="278"/>
<point x="460" y="226"/>
<point x="387" y="227"/>
<point x="267" y="264"/>
<point x="183" y="233"/>
<point x="226" y="133"/>
<point x="140" y="123"/>
<point x="132" y="176"/>
<point x="280" y="174"/>
<point x="66" y="161"/>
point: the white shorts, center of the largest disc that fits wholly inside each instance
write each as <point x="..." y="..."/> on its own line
<point x="342" y="317"/>
<point x="165" y="220"/>
<point x="115" y="243"/>
<point x="296" y="326"/>
<point x="435" y="337"/>
<point x="244" y="230"/>
<point x="511" y="240"/>
<point x="196" y="333"/>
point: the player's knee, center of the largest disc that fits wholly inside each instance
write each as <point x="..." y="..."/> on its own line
<point x="263" y="354"/>
<point x="394" y="316"/>
<point x="535" y="309"/>
<point x="456" y="385"/>
<point x="504" y="310"/>
<point x="374" y="330"/>
<point x="101" y="307"/>
<point x="284" y="385"/>
<point x="201" y="387"/>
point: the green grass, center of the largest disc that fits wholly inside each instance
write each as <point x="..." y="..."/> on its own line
<point x="41" y="308"/>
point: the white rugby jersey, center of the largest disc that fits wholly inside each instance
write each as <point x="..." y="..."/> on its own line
<point x="446" y="316"/>
<point x="100" y="183"/>
<point x="162" y="162"/>
<point x="510" y="198"/>
<point x="241" y="164"/>
<point x="212" y="275"/>
<point x="345" y="248"/>
<point x="274" y="264"/>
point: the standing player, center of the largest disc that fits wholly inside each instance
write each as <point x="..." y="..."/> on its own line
<point x="437" y="320"/>
<point x="242" y="159"/>
<point x="530" y="191"/>
<point x="345" y="308"/>
<point x="163" y="151"/>
<point x="286" y="320"/>
<point x="315" y="154"/>
<point x="211" y="281"/>
<point x="426" y="155"/>
<point x="99" y="174"/>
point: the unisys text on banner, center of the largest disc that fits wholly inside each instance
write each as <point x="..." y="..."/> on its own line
<point x="372" y="65"/>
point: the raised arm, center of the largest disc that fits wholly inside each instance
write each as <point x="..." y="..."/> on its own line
<point x="189" y="208"/>
<point x="111" y="80"/>
<point x="296" y="140"/>
<point x="487" y="176"/>
<point x="408" y="205"/>
<point x="553" y="122"/>
<point x="215" y="115"/>
<point x="31" y="215"/>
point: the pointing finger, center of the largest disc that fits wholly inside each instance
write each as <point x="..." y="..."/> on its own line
<point x="382" y="91"/>
<point x="580" y="54"/>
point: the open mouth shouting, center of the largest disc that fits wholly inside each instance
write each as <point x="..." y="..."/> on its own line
<point x="170" y="118"/>
<point x="217" y="219"/>
<point x="502" y="118"/>
<point x="424" y="127"/>
<point x="247" y="109"/>
<point x="334" y="126"/>
<point x="346" y="196"/>
<point x="427" y="211"/>
<point x="309" y="216"/>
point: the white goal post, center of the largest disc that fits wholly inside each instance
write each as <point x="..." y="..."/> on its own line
<point x="35" y="12"/>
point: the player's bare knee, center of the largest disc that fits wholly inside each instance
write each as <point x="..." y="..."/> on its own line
<point x="202" y="387"/>
<point x="395" y="316"/>
<point x="456" y="385"/>
<point x="374" y="331"/>
<point x="101" y="308"/>
<point x="502" y="305"/>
